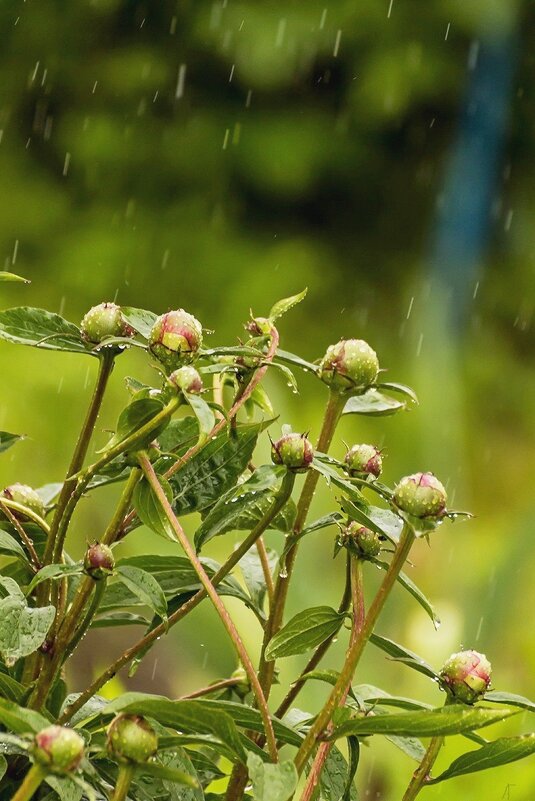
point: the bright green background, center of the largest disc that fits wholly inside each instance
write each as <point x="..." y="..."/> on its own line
<point x="281" y="165"/>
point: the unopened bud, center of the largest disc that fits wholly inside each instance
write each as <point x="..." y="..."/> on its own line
<point x="243" y="685"/>
<point x="364" y="460"/>
<point x="99" y="561"/>
<point x="175" y="338"/>
<point x="103" y="321"/>
<point x="26" y="496"/>
<point x="361" y="540"/>
<point x="259" y="327"/>
<point x="187" y="379"/>
<point x="131" y="739"/>
<point x="421" y="495"/>
<point x="349" y="365"/>
<point x="466" y="676"/>
<point x="293" y="451"/>
<point x="58" y="748"/>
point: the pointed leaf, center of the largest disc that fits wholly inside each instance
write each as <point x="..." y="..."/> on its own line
<point x="9" y="545"/>
<point x="304" y="631"/>
<point x="141" y="320"/>
<point x="286" y="357"/>
<point x="373" y="404"/>
<point x="149" y="509"/>
<point x="7" y="440"/>
<point x="28" y="326"/>
<point x="22" y="629"/>
<point x="21" y="720"/>
<point x="170" y="774"/>
<point x="401" y="654"/>
<point x="4" y="276"/>
<point x="509" y="698"/>
<point x="491" y="755"/>
<point x="253" y="573"/>
<point x="145" y="586"/>
<point x="203" y="413"/>
<point x="55" y="572"/>
<point x="335" y="782"/>
<point x="411" y="587"/>
<point x="271" y="782"/>
<point x="134" y="417"/>
<point x="284" y="305"/>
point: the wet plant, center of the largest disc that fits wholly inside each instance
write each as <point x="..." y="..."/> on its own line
<point x="188" y="445"/>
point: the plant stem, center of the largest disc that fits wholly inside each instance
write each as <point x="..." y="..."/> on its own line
<point x="30" y="785"/>
<point x="422" y="772"/>
<point x="333" y="412"/>
<point x="124" y="779"/>
<point x="355" y="652"/>
<point x="359" y="612"/>
<point x="278" y="503"/>
<point x="211" y="688"/>
<point x="152" y="478"/>
<point x="100" y="588"/>
<point x="266" y="570"/>
<point x="22" y="534"/>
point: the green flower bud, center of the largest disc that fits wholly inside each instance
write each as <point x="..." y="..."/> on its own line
<point x="259" y="327"/>
<point x="26" y="496"/>
<point x="187" y="379"/>
<point x="364" y="460"/>
<point x="58" y="748"/>
<point x="131" y="739"/>
<point x="294" y="451"/>
<point x="103" y="321"/>
<point x="421" y="495"/>
<point x="466" y="676"/>
<point x="175" y="338"/>
<point x="349" y="365"/>
<point x="99" y="561"/>
<point x="361" y="540"/>
<point x="243" y="685"/>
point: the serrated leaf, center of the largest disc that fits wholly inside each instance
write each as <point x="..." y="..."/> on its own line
<point x="401" y="654"/>
<point x="21" y="720"/>
<point x="202" y="480"/>
<point x="304" y="631"/>
<point x="149" y="509"/>
<point x="373" y="403"/>
<point x="512" y="699"/>
<point x="203" y="413"/>
<point x="145" y="586"/>
<point x="7" y="440"/>
<point x="22" y="629"/>
<point x="415" y="591"/>
<point x="50" y="572"/>
<point x="12" y="277"/>
<point x="492" y="755"/>
<point x="9" y="545"/>
<point x="133" y="417"/>
<point x="282" y="306"/>
<point x="444" y="721"/>
<point x="27" y="326"/>
<point x="141" y="320"/>
<point x="271" y="782"/>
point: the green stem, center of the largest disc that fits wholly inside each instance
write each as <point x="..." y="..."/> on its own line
<point x="124" y="780"/>
<point x="100" y="588"/>
<point x="333" y="412"/>
<point x="422" y="772"/>
<point x="277" y="505"/>
<point x="211" y="688"/>
<point x="355" y="652"/>
<point x="27" y="541"/>
<point x="154" y="482"/>
<point x="32" y="782"/>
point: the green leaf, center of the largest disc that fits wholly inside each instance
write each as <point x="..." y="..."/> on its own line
<point x="132" y="418"/>
<point x="401" y="654"/>
<point x="286" y="357"/>
<point x="4" y="276"/>
<point x="203" y="413"/>
<point x="54" y="572"/>
<point x="10" y="688"/>
<point x="49" y="492"/>
<point x="253" y="573"/>
<point x="336" y="782"/>
<point x="21" y="720"/>
<point x="28" y="326"/>
<point x="411" y="587"/>
<point x="497" y="697"/>
<point x="141" y="320"/>
<point x="444" y="721"/>
<point x="7" y="440"/>
<point x="323" y="522"/>
<point x="400" y="389"/>
<point x="65" y="787"/>
<point x="491" y="755"/>
<point x="113" y="619"/>
<point x="9" y="545"/>
<point x="304" y="631"/>
<point x="3" y="760"/>
<point x="22" y="629"/>
<point x="179" y="435"/>
<point x="244" y="506"/>
<point x="202" y="480"/>
<point x="167" y="773"/>
<point x="145" y="586"/>
<point x="373" y="404"/>
<point x="410" y="746"/>
<point x="284" y="305"/>
<point x="271" y="782"/>
<point x="149" y="509"/>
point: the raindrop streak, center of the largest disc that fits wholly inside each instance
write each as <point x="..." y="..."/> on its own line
<point x="390" y="9"/>
<point x="337" y="43"/>
<point x="66" y="163"/>
<point x="181" y="79"/>
<point x="15" y="251"/>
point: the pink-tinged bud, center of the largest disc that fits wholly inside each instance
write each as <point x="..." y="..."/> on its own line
<point x="187" y="379"/>
<point x="103" y="321"/>
<point x="26" y="496"/>
<point x="421" y="495"/>
<point x="364" y="460"/>
<point x="466" y="676"/>
<point x="361" y="540"/>
<point x="175" y="338"/>
<point x="294" y="451"/>
<point x="58" y="748"/>
<point x="349" y="365"/>
<point x="99" y="561"/>
<point x="131" y="739"/>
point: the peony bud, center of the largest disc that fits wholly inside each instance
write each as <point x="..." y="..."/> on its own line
<point x="349" y="365"/>
<point x="99" y="561"/>
<point x="175" y="338"/>
<point x="259" y="327"/>
<point x="362" y="540"/>
<point x="58" y="748"/>
<point x="103" y="321"/>
<point x="294" y="451"/>
<point x="421" y="495"/>
<point x="364" y="460"/>
<point x="26" y="496"/>
<point x="466" y="676"/>
<point x="131" y="739"/>
<point x="187" y="379"/>
<point x="243" y="685"/>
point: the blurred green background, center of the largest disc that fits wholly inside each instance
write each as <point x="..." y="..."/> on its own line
<point x="220" y="155"/>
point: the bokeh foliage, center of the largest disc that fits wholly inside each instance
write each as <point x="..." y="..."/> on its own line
<point x="219" y="155"/>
